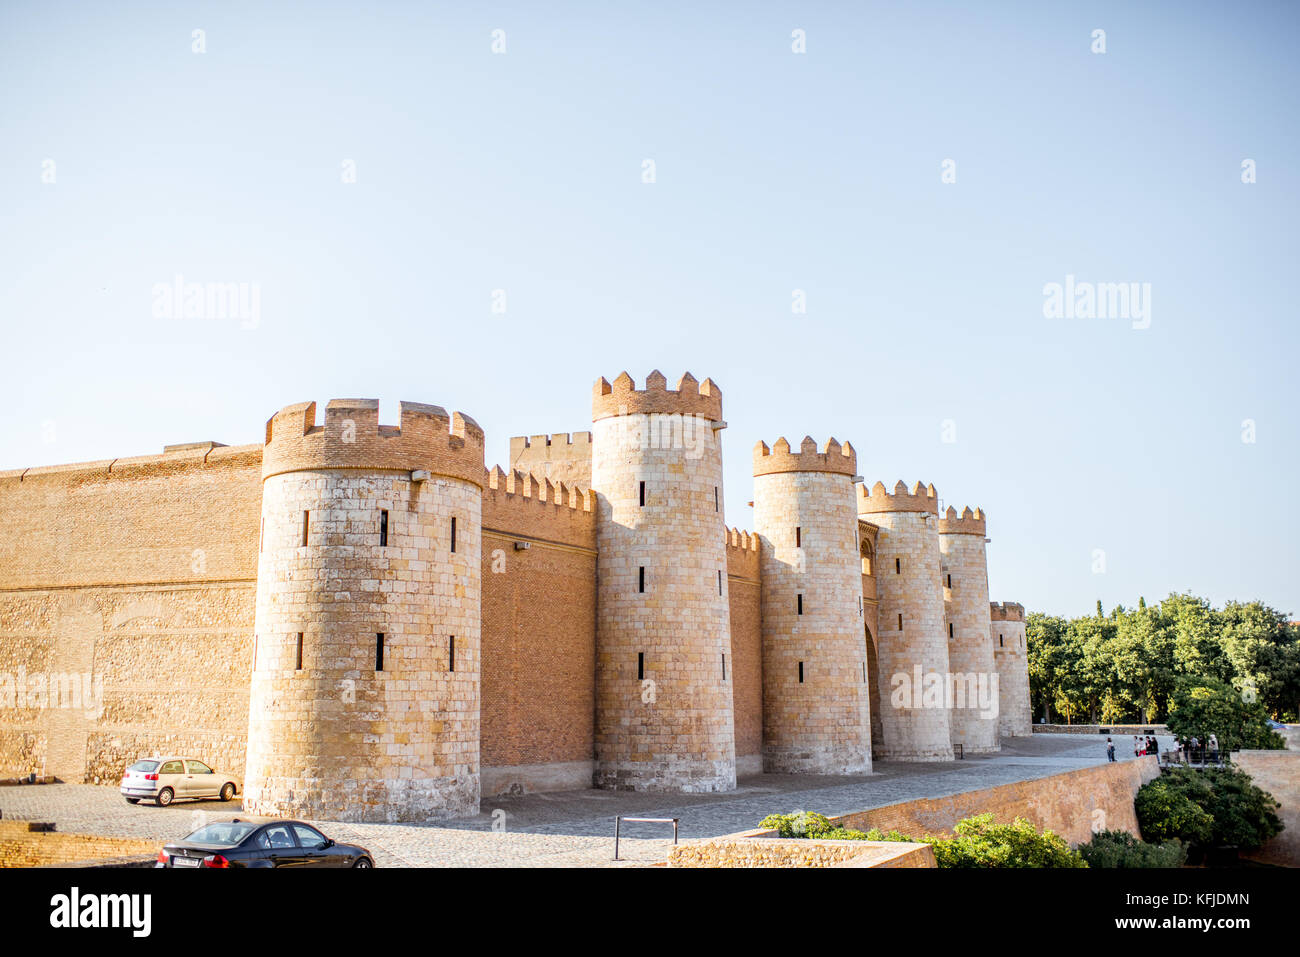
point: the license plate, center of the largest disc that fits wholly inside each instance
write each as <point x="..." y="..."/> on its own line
<point x="186" y="862"/>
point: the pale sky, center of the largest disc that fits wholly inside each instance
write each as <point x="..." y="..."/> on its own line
<point x="775" y="171"/>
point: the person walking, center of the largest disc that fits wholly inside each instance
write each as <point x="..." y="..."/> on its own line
<point x="1110" y="750"/>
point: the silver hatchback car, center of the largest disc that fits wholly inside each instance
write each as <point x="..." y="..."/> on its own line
<point x="165" y="779"/>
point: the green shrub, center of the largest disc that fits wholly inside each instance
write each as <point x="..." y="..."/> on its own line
<point x="1166" y="811"/>
<point x="1122" y="849"/>
<point x="876" y="834"/>
<point x="978" y="841"/>
<point x="811" y="825"/>
<point x="981" y="843"/>
<point x="1210" y="808"/>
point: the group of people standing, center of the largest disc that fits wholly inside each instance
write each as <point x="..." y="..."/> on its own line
<point x="1145" y="745"/>
<point x="1191" y="749"/>
<point x="1184" y="749"/>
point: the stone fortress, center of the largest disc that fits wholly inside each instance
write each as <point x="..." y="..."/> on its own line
<point x="368" y="624"/>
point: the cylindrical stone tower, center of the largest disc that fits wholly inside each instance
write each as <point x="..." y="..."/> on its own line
<point x="816" y="701"/>
<point x="912" y="646"/>
<point x="1007" y="631"/>
<point x="663" y="638"/>
<point x="973" y="718"/>
<point x="364" y="701"/>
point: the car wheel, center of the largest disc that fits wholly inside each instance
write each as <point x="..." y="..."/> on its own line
<point x="165" y="797"/>
<point x="132" y="800"/>
<point x="362" y="862"/>
<point x="227" y="791"/>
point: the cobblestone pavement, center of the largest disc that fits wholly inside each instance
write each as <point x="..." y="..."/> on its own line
<point x="575" y="828"/>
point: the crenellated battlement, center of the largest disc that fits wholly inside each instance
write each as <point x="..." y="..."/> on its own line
<point x="832" y="457"/>
<point x="740" y="539"/>
<point x="920" y="498"/>
<point x="542" y="491"/>
<point x="742" y="555"/>
<point x="561" y="457"/>
<point x="1008" y="611"/>
<point x="567" y="443"/>
<point x="521" y="503"/>
<point x="426" y="438"/>
<point x="691" y="397"/>
<point x="967" y="523"/>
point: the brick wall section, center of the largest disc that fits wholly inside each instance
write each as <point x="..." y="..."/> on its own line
<point x="22" y="848"/>
<point x="182" y="517"/>
<point x="816" y="714"/>
<point x="539" y="649"/>
<point x="745" y="667"/>
<point x="137" y="577"/>
<point x="1278" y="773"/>
<point x="1068" y="804"/>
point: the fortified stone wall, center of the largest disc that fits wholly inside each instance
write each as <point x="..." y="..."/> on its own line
<point x="1011" y="657"/>
<point x="129" y="588"/>
<point x="1067" y="804"/>
<point x="977" y="702"/>
<point x="126" y="606"/>
<point x="912" y="645"/>
<point x="364" y="702"/>
<point x="1278" y="773"/>
<point x="816" y="714"/>
<point x="664" y="718"/>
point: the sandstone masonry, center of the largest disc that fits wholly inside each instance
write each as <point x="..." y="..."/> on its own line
<point x="297" y="611"/>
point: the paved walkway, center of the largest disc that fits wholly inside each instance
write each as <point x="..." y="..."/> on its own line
<point x="575" y="828"/>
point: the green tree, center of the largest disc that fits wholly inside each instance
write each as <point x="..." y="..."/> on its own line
<point x="1044" y="635"/>
<point x="1197" y="649"/>
<point x="1127" y="665"/>
<point x="1205" y="706"/>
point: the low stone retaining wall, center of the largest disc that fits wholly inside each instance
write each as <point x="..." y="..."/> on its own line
<point x="1072" y="804"/>
<point x="753" y="849"/>
<point x="22" y="847"/>
<point x="1129" y="729"/>
<point x="1278" y="773"/>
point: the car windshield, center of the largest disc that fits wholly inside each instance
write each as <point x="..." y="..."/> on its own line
<point x="226" y="833"/>
<point x="143" y="766"/>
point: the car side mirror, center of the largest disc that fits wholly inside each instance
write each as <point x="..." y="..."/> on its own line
<point x="329" y="842"/>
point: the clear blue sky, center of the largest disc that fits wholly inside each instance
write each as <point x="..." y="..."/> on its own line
<point x="775" y="172"/>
